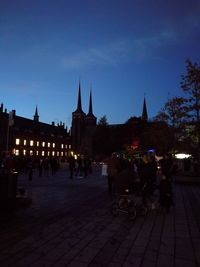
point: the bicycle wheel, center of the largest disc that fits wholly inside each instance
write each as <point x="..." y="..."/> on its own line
<point x="114" y="209"/>
<point x="132" y="214"/>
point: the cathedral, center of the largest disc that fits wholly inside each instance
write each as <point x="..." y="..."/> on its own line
<point x="25" y="137"/>
<point x="83" y="127"/>
<point x="88" y="137"/>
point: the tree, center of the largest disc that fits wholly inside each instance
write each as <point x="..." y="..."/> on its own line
<point x="103" y="121"/>
<point x="102" y="139"/>
<point x="191" y="86"/>
<point x="175" y="115"/>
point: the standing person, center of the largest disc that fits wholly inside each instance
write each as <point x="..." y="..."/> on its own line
<point x="71" y="162"/>
<point x="30" y="166"/>
<point x="152" y="173"/>
<point x="113" y="168"/>
<point x="165" y="187"/>
<point x="79" y="168"/>
<point x="86" y="165"/>
<point x="144" y="170"/>
<point x="40" y="167"/>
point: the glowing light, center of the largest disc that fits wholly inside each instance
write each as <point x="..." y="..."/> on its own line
<point x="31" y="142"/>
<point x="17" y="141"/>
<point x="182" y="156"/>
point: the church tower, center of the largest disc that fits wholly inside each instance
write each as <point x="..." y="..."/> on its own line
<point x="36" y="116"/>
<point x="144" y="111"/>
<point x="77" y="129"/>
<point x="90" y="127"/>
<point x="90" y="118"/>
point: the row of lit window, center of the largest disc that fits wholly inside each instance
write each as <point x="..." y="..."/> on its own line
<point x="38" y="143"/>
<point x="25" y="152"/>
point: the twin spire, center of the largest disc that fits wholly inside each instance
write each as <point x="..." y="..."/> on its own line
<point x="79" y="104"/>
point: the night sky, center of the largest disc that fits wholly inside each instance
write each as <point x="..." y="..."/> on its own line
<point x="122" y="50"/>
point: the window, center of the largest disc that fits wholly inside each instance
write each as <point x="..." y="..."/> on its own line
<point x="37" y="153"/>
<point x="25" y="142"/>
<point x="61" y="154"/>
<point x="17" y="152"/>
<point x="43" y="153"/>
<point x="66" y="146"/>
<point x="48" y="153"/>
<point x="31" y="142"/>
<point x="43" y="144"/>
<point x="17" y="141"/>
<point x="48" y="144"/>
<point x="62" y="146"/>
<point x="58" y="153"/>
<point x="69" y="146"/>
<point x="31" y="152"/>
<point x="54" y="145"/>
<point x="24" y="152"/>
<point x="37" y="143"/>
<point x="53" y="153"/>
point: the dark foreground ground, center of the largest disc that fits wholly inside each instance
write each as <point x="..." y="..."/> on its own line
<point x="69" y="224"/>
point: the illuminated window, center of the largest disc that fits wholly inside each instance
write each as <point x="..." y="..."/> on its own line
<point x="62" y="146"/>
<point x="31" y="152"/>
<point x="65" y="146"/>
<point x="24" y="152"/>
<point x="17" y="141"/>
<point x="43" y="153"/>
<point x="58" y="153"/>
<point x="37" y="152"/>
<point x="69" y="146"/>
<point x="66" y="154"/>
<point x="37" y="143"/>
<point x="54" y="145"/>
<point x="25" y="142"/>
<point x="48" y="153"/>
<point x="43" y="144"/>
<point x="48" y="144"/>
<point x="17" y="152"/>
<point x="31" y="142"/>
<point x="53" y="153"/>
<point x="61" y="154"/>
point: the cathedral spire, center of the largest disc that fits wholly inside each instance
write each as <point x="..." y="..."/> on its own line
<point x="144" y="111"/>
<point x="90" y="112"/>
<point x="36" y="116"/>
<point x="79" y="104"/>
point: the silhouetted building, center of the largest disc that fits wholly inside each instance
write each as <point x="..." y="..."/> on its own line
<point x="83" y="127"/>
<point x="25" y="137"/>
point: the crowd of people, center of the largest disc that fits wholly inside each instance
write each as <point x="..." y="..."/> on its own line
<point x="146" y="171"/>
<point x="45" y="166"/>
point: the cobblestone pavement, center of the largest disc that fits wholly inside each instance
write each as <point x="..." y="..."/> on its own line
<point x="69" y="224"/>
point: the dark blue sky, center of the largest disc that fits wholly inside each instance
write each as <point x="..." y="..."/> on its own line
<point x="121" y="49"/>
